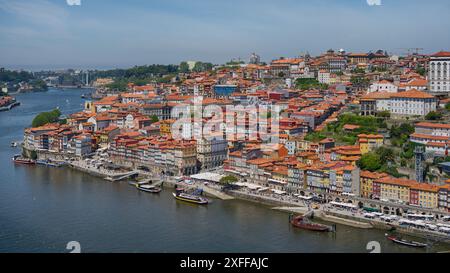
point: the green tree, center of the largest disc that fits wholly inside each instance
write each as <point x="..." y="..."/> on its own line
<point x="370" y="162"/>
<point x="421" y="71"/>
<point x="229" y="179"/>
<point x="202" y="67"/>
<point x="385" y="154"/>
<point x="433" y="116"/>
<point x="359" y="82"/>
<point x="384" y="114"/>
<point x="184" y="67"/>
<point x="154" y="118"/>
<point x="305" y="84"/>
<point x="46" y="117"/>
<point x="447" y="106"/>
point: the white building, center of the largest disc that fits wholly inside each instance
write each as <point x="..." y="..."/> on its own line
<point x="408" y="103"/>
<point x="383" y="86"/>
<point x="83" y="145"/>
<point x="323" y="77"/>
<point x="412" y="103"/>
<point x="439" y="75"/>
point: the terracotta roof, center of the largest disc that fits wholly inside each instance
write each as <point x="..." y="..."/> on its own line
<point x="373" y="175"/>
<point x="413" y="93"/>
<point x="441" y="54"/>
<point x="377" y="95"/>
<point x="433" y="125"/>
<point x="423" y="136"/>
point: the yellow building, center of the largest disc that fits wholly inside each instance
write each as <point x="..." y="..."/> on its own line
<point x="366" y="181"/>
<point x="425" y="195"/>
<point x="165" y="128"/>
<point x="394" y="189"/>
<point x="368" y="143"/>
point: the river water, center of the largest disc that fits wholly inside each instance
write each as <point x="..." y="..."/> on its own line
<point x="42" y="209"/>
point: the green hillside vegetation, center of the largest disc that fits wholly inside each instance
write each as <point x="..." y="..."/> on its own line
<point x="335" y="130"/>
<point x="46" y="117"/>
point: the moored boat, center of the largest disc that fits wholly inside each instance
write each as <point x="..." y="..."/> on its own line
<point x="303" y="223"/>
<point x="14" y="144"/>
<point x="20" y="160"/>
<point x="50" y="163"/>
<point x="191" y="198"/>
<point x="404" y="242"/>
<point x="148" y="188"/>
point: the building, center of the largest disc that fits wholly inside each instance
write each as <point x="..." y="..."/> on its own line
<point x="211" y="153"/>
<point x="255" y="59"/>
<point x="410" y="192"/>
<point x="412" y="103"/>
<point x="368" y="143"/>
<point x="323" y="77"/>
<point x="383" y="86"/>
<point x="83" y="145"/>
<point x="439" y="73"/>
<point x="224" y="90"/>
<point x="366" y="182"/>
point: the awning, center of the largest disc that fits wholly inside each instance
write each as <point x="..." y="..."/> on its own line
<point x="279" y="192"/>
<point x="277" y="181"/>
<point x="252" y="186"/>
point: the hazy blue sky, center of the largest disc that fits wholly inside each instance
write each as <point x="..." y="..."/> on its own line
<point x="118" y="33"/>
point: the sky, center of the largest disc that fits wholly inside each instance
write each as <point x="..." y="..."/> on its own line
<point x="50" y="34"/>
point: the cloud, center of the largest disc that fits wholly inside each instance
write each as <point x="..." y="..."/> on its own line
<point x="73" y="2"/>
<point x="374" y="2"/>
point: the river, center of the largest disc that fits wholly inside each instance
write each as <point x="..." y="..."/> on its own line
<point x="42" y="209"/>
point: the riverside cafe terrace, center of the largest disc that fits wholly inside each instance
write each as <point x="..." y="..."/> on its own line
<point x="209" y="177"/>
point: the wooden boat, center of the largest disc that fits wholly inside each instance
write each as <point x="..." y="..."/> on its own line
<point x="303" y="223"/>
<point x="148" y="188"/>
<point x="20" y="160"/>
<point x="191" y="198"/>
<point x="404" y="242"/>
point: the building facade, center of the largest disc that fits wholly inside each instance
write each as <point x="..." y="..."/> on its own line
<point x="439" y="75"/>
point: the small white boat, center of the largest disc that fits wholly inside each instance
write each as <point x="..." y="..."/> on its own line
<point x="148" y="188"/>
<point x="14" y="144"/>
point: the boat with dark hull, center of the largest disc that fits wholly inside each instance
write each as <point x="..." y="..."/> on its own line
<point x="17" y="159"/>
<point x="191" y="198"/>
<point x="148" y="188"/>
<point x="50" y="163"/>
<point x="404" y="242"/>
<point x="304" y="223"/>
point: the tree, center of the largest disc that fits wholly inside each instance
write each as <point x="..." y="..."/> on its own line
<point x="370" y="162"/>
<point x="433" y="116"/>
<point x="229" y="179"/>
<point x="154" y="118"/>
<point x="384" y="114"/>
<point x="421" y="71"/>
<point x="385" y="154"/>
<point x="202" y="67"/>
<point x="305" y="84"/>
<point x="184" y="67"/>
<point x="359" y="82"/>
<point x="46" y="117"/>
<point x="447" y="106"/>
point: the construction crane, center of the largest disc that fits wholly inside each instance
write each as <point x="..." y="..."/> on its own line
<point x="413" y="50"/>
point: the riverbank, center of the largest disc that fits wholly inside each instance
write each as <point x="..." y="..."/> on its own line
<point x="9" y="107"/>
<point x="287" y="206"/>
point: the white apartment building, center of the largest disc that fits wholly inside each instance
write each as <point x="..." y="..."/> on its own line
<point x="439" y="75"/>
<point x="408" y="103"/>
<point x="412" y="103"/>
<point x="383" y="86"/>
